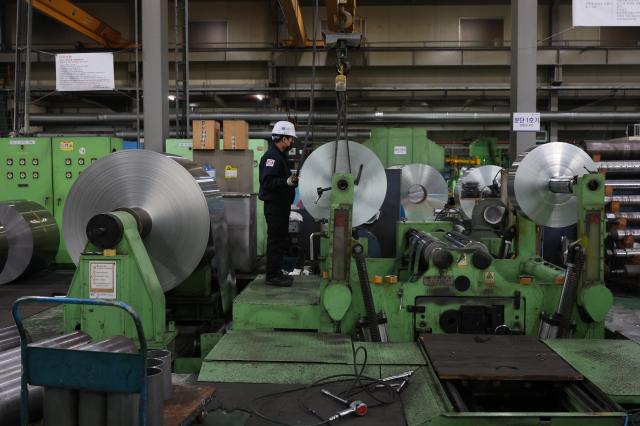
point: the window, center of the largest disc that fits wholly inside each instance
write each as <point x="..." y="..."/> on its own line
<point x="481" y="32"/>
<point x="207" y="34"/>
<point x="620" y="36"/>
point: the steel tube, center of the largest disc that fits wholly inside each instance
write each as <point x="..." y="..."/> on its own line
<point x="614" y="149"/>
<point x="623" y="184"/>
<point x="354" y="117"/>
<point x="628" y="216"/>
<point x="627" y="270"/>
<point x="8" y="331"/>
<point x="624" y="253"/>
<point x="621" y="234"/>
<point x="155" y="397"/>
<point x="561" y="184"/>
<point x="254" y="134"/>
<point x="619" y="166"/>
<point x="60" y="407"/>
<point x="623" y="199"/>
<point x="9" y="342"/>
<point x="164" y="356"/>
<point x="10" y="386"/>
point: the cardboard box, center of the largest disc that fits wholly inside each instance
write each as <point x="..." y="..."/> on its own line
<point x="236" y="135"/>
<point x="206" y="134"/>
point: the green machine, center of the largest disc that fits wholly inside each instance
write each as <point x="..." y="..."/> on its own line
<point x="149" y="240"/>
<point x="44" y="169"/>
<point x="487" y="150"/>
<point x="181" y="147"/>
<point x="399" y="146"/>
<point x="492" y="334"/>
<point x="26" y="170"/>
<point x="71" y="155"/>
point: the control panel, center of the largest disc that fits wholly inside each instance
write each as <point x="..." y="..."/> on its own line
<point x="26" y="170"/>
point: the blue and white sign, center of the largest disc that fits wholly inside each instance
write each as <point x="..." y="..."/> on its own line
<point x="526" y="121"/>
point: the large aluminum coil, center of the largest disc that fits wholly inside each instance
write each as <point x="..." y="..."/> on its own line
<point x="317" y="172"/>
<point x="422" y="191"/>
<point x="529" y="178"/>
<point x="484" y="177"/>
<point x="177" y="194"/>
<point x="32" y="238"/>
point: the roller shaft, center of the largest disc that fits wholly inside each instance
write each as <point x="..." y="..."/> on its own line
<point x="621" y="234"/>
<point x="623" y="253"/>
<point x="627" y="270"/>
<point x="561" y="184"/>
<point x="623" y="199"/>
<point x="614" y="149"/>
<point x="623" y="184"/>
<point x="619" y="166"/>
<point x="628" y="216"/>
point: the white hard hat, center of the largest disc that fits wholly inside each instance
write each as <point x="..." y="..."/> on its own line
<point x="284" y="128"/>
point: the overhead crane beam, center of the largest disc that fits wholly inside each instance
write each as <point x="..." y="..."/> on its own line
<point x="78" y="19"/>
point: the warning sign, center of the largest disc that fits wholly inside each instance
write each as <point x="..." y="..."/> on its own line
<point x="490" y="278"/>
<point x="66" y="146"/>
<point x="230" y="172"/>
<point x="102" y="279"/>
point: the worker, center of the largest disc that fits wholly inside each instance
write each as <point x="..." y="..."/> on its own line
<point x="277" y="190"/>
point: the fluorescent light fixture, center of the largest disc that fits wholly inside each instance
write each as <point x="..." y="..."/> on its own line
<point x="171" y="97"/>
<point x="260" y="96"/>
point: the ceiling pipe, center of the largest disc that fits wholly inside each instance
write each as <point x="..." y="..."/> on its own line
<point x="253" y="134"/>
<point x="354" y="117"/>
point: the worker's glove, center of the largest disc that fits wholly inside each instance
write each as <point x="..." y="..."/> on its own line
<point x="292" y="181"/>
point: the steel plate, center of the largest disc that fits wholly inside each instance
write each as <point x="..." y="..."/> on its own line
<point x="177" y="193"/>
<point x="485" y="176"/>
<point x="317" y="172"/>
<point x="529" y="183"/>
<point x="32" y="238"/>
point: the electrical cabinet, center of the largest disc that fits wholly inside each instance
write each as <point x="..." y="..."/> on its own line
<point x="26" y="170"/>
<point x="259" y="147"/>
<point x="400" y="146"/>
<point x="71" y="155"/>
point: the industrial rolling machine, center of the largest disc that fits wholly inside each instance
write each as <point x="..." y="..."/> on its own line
<point x="446" y="279"/>
<point x="490" y="333"/>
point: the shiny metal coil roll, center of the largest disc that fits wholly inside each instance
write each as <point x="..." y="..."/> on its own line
<point x="484" y="176"/>
<point x="178" y="195"/>
<point x="32" y="238"/>
<point x="317" y="172"/>
<point x="529" y="178"/>
<point x="422" y="191"/>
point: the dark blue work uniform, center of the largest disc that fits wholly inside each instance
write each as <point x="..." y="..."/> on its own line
<point x="277" y="197"/>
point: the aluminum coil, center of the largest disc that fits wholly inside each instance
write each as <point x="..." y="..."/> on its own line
<point x="317" y="172"/>
<point x="529" y="183"/>
<point x="177" y="194"/>
<point x="422" y="191"/>
<point x="485" y="176"/>
<point x="32" y="238"/>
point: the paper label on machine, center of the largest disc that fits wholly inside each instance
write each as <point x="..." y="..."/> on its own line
<point x="400" y="150"/>
<point x="102" y="280"/>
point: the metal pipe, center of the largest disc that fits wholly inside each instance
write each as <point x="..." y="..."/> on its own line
<point x="27" y="72"/>
<point x="10" y="387"/>
<point x="614" y="149"/>
<point x="9" y="342"/>
<point x="619" y="166"/>
<point x="623" y="199"/>
<point x="624" y="253"/>
<point x="354" y="117"/>
<point x="8" y="331"/>
<point x="627" y="270"/>
<point x="628" y="216"/>
<point x="621" y="234"/>
<point x="254" y="134"/>
<point x="562" y="184"/>
<point x="623" y="183"/>
<point x="185" y="59"/>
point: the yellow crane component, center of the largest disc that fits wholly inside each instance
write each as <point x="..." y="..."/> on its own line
<point x="81" y="21"/>
<point x="463" y="161"/>
<point x="346" y="8"/>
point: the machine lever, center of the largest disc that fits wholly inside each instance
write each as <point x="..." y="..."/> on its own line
<point x="321" y="191"/>
<point x="357" y="181"/>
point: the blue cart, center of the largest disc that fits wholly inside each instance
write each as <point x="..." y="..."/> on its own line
<point x="84" y="370"/>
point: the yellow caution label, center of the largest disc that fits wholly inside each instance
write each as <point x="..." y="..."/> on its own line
<point x="490" y="278"/>
<point x="66" y="146"/>
<point x="230" y="172"/>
